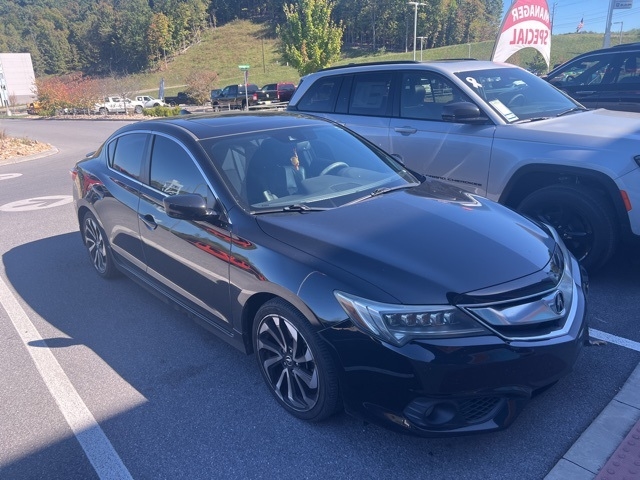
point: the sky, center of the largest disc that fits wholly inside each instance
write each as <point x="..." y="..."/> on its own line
<point x="568" y="13"/>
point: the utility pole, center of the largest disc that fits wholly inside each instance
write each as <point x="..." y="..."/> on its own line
<point x="415" y="26"/>
<point x="607" y="32"/>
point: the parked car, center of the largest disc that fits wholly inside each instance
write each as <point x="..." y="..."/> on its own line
<point x="498" y="131"/>
<point x="604" y="78"/>
<point x="275" y="92"/>
<point x="150" y="102"/>
<point x="355" y="283"/>
<point x="234" y="97"/>
<point x="118" y="105"/>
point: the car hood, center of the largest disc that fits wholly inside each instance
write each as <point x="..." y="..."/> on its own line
<point x="419" y="245"/>
<point x="598" y="129"/>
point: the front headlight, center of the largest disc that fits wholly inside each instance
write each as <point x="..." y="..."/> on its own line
<point x="400" y="323"/>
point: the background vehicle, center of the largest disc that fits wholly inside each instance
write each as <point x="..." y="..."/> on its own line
<point x="182" y="98"/>
<point x="275" y="92"/>
<point x="34" y="108"/>
<point x="498" y="131"/>
<point x="257" y="241"/>
<point x="118" y="105"/>
<point x="150" y="102"/>
<point x="606" y="78"/>
<point x="234" y="97"/>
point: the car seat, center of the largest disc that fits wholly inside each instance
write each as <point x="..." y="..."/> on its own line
<point x="273" y="172"/>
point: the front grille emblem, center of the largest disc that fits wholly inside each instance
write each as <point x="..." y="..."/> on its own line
<point x="558" y="303"/>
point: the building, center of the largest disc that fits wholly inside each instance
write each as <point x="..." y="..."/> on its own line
<point x="17" y="80"/>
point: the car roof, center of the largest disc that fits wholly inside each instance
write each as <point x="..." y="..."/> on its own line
<point x="450" y="66"/>
<point x="211" y="125"/>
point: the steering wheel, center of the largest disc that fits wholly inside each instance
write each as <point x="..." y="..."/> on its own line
<point x="333" y="166"/>
<point x="516" y="100"/>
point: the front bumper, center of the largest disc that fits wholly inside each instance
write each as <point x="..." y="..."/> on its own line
<point x="454" y="386"/>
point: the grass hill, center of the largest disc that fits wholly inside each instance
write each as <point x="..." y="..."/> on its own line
<point x="242" y="42"/>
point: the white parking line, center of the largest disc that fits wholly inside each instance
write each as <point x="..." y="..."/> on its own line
<point x="607" y="337"/>
<point x="94" y="442"/>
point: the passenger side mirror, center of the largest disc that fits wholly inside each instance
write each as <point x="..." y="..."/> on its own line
<point x="188" y="206"/>
<point x="463" y="112"/>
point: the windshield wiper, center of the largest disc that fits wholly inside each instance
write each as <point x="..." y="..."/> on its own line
<point x="571" y="110"/>
<point x="534" y="119"/>
<point x="301" y="207"/>
<point x="381" y="191"/>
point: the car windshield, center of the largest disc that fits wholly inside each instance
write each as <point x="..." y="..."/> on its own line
<point x="516" y="94"/>
<point x="303" y="168"/>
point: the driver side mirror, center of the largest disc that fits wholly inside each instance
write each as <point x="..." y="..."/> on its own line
<point x="463" y="112"/>
<point x="188" y="206"/>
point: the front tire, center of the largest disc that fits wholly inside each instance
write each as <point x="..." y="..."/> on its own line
<point x="95" y="240"/>
<point x="584" y="219"/>
<point x="296" y="366"/>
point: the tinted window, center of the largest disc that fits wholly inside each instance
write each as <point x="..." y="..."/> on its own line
<point x="423" y="94"/>
<point x="173" y="171"/>
<point x="321" y="96"/>
<point x="370" y="94"/>
<point x="630" y="68"/>
<point x="590" y="70"/>
<point x="126" y="152"/>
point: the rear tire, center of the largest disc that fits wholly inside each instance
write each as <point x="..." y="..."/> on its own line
<point x="584" y="219"/>
<point x="295" y="364"/>
<point x="98" y="247"/>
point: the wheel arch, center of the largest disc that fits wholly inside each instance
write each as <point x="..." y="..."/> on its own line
<point x="82" y="211"/>
<point x="535" y="176"/>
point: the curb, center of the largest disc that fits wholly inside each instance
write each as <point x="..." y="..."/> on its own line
<point x="601" y="439"/>
<point x="26" y="158"/>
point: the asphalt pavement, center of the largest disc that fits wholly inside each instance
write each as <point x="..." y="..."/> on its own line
<point x="609" y="449"/>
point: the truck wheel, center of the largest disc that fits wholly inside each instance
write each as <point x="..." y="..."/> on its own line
<point x="584" y="220"/>
<point x="103" y="111"/>
<point x="244" y="105"/>
<point x="138" y="109"/>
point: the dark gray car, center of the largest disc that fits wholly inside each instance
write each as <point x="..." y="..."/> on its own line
<point x="606" y="78"/>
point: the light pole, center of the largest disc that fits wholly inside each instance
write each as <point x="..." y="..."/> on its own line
<point x="421" y="43"/>
<point x="621" y="23"/>
<point x="415" y="26"/>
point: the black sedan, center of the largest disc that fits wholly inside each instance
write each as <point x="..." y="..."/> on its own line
<point x="355" y="283"/>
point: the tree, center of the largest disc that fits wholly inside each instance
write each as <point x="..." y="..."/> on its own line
<point x="199" y="84"/>
<point x="310" y="39"/>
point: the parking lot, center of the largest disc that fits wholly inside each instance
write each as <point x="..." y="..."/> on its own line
<point x="131" y="388"/>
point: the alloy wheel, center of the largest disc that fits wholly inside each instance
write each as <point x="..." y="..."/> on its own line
<point x="288" y="363"/>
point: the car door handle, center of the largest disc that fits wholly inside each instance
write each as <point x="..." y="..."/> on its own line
<point x="149" y="221"/>
<point x="586" y="92"/>
<point x="406" y="130"/>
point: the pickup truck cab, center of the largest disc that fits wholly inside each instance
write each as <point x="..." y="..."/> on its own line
<point x="236" y="97"/>
<point x="118" y="105"/>
<point x="182" y="98"/>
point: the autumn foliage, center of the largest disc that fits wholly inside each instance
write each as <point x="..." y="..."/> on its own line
<point x="75" y="91"/>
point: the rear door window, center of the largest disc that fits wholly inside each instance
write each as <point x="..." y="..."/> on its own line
<point x="370" y="94"/>
<point x="321" y="96"/>
<point x="126" y="154"/>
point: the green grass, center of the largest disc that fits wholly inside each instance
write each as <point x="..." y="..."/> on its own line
<point x="223" y="49"/>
